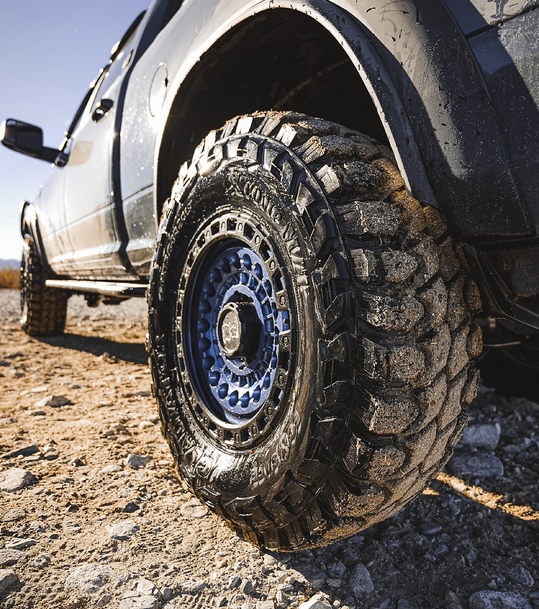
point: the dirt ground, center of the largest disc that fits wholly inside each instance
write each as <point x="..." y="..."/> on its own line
<point x="101" y="519"/>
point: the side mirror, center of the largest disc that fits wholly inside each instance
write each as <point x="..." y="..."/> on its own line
<point x="26" y="139"/>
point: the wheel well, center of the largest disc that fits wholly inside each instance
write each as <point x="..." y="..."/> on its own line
<point x="277" y="60"/>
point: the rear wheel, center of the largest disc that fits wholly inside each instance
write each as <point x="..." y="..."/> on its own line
<point x="43" y="309"/>
<point x="309" y="331"/>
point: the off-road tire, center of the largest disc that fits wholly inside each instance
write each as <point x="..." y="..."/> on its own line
<point x="513" y="369"/>
<point x="366" y="402"/>
<point x="43" y="309"/>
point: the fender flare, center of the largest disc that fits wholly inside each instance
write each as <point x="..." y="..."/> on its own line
<point x="29" y="227"/>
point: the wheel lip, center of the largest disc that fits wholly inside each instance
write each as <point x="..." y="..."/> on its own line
<point x="230" y="435"/>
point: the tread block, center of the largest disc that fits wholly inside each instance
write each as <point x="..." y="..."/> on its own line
<point x="390" y="312"/>
<point x="334" y="268"/>
<point x="384" y="463"/>
<point x="452" y="404"/>
<point x="469" y="392"/>
<point x="364" y="497"/>
<point x="390" y="178"/>
<point x="434" y="301"/>
<point x="432" y="398"/>
<point x="312" y="516"/>
<point x="398" y="265"/>
<point x="456" y="435"/>
<point x="439" y="448"/>
<point x="413" y="216"/>
<point x="399" y="486"/>
<point x="472" y="297"/>
<point x="436" y="352"/>
<point x="324" y="230"/>
<point x="365" y="265"/>
<point x="418" y="445"/>
<point x="474" y="342"/>
<point x="456" y="307"/>
<point x="435" y="224"/>
<point x="368" y="218"/>
<point x="388" y="417"/>
<point x="449" y="265"/>
<point x="399" y="363"/>
<point x="426" y="254"/>
<point x="329" y="179"/>
<point x="342" y="348"/>
<point x="356" y="453"/>
<point x="458" y="356"/>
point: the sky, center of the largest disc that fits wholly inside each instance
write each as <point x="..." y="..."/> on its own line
<point x="50" y="51"/>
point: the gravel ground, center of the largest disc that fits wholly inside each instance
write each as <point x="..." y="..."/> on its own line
<point x="93" y="515"/>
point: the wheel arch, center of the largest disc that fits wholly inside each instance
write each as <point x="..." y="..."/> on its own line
<point x="337" y="42"/>
<point x="29" y="228"/>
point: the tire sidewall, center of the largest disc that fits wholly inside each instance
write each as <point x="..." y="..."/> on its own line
<point x="260" y="469"/>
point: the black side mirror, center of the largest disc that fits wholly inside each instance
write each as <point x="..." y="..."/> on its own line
<point x="27" y="139"/>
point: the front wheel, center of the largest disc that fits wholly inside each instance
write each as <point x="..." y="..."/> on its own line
<point x="309" y="331"/>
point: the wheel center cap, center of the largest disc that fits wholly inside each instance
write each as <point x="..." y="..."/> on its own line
<point x="238" y="330"/>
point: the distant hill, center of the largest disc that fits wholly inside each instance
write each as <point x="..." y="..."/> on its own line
<point x="10" y="262"/>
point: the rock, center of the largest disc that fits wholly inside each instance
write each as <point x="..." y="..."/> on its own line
<point x="8" y="579"/>
<point x="88" y="578"/>
<point x="265" y="605"/>
<point x="192" y="587"/>
<point x="25" y="451"/>
<point x="311" y="573"/>
<point x="146" y="588"/>
<point x="360" y="581"/>
<point x="111" y="469"/>
<point x="193" y="509"/>
<point x="429" y="528"/>
<point x="520" y="575"/>
<point x="403" y="603"/>
<point x="315" y="602"/>
<point x="14" y="514"/>
<point x="233" y="582"/>
<point x="492" y="599"/>
<point x="10" y="557"/>
<point x="481" y="436"/>
<point x="139" y="602"/>
<point x="130" y="507"/>
<point x="246" y="586"/>
<point x="167" y="593"/>
<point x="221" y="601"/>
<point x="135" y="461"/>
<point x="334" y="583"/>
<point x="122" y="530"/>
<point x="42" y="561"/>
<point x="51" y="451"/>
<point x="20" y="544"/>
<point x="269" y="560"/>
<point x="54" y="401"/>
<point x="15" y="479"/>
<point x="119" y="581"/>
<point x="479" y="465"/>
<point x="103" y="600"/>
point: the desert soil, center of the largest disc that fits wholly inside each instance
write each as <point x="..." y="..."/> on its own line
<point x="101" y="519"/>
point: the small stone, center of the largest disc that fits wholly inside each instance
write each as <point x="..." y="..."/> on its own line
<point x="520" y="575"/>
<point x="430" y="528"/>
<point x="337" y="569"/>
<point x="146" y="588"/>
<point x="24" y="451"/>
<point x="104" y="600"/>
<point x="403" y="603"/>
<point x="269" y="560"/>
<point x="37" y="413"/>
<point x="8" y="579"/>
<point x="10" y="557"/>
<point x="360" y="581"/>
<point x="221" y="601"/>
<point x="139" y="602"/>
<point x="119" y="581"/>
<point x="333" y="582"/>
<point x="480" y="465"/>
<point x="54" y="401"/>
<point x="122" y="530"/>
<point x="281" y="598"/>
<point x="315" y="602"/>
<point x="111" y="469"/>
<point x="285" y="587"/>
<point x="88" y="578"/>
<point x="265" y="605"/>
<point x="14" y="515"/>
<point x="19" y="544"/>
<point x="246" y="586"/>
<point x="167" y="593"/>
<point x="233" y="582"/>
<point x="42" y="561"/>
<point x="136" y="461"/>
<point x="131" y="507"/>
<point x="491" y="599"/>
<point x="146" y="424"/>
<point x="193" y="509"/>
<point x="481" y="436"/>
<point x="192" y="587"/>
<point x="15" y="479"/>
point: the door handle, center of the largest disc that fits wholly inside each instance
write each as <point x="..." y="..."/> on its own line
<point x="101" y="109"/>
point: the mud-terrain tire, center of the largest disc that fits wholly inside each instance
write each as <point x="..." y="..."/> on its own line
<point x="514" y="369"/>
<point x="357" y="361"/>
<point x="43" y="309"/>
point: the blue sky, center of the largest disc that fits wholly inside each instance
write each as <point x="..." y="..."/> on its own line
<point x="50" y="50"/>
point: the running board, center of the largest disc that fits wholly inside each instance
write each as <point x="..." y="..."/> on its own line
<point x="106" y="288"/>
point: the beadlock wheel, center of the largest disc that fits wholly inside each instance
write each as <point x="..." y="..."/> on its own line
<point x="309" y="331"/>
